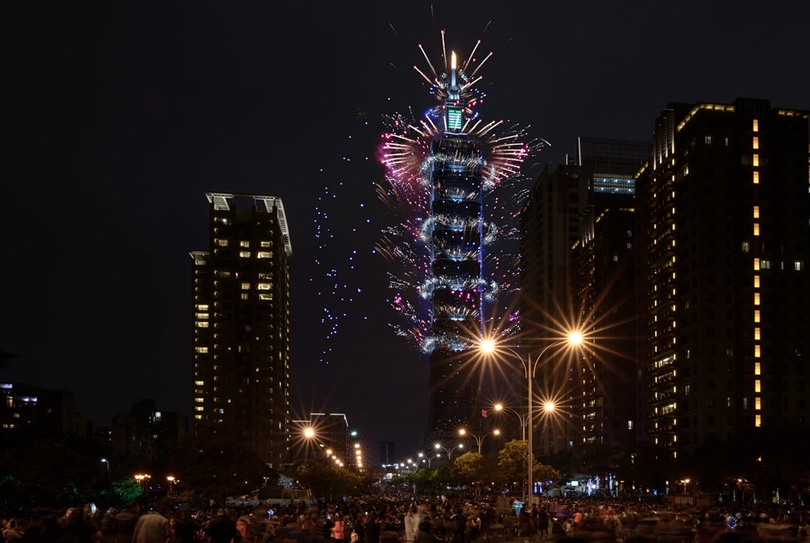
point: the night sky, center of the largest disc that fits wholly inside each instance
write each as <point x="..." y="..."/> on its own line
<point x="119" y="116"/>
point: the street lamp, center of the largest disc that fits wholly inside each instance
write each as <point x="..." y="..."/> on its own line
<point x="108" y="464"/>
<point x="428" y="459"/>
<point x="143" y="479"/>
<point x="573" y="339"/>
<point x="479" y="439"/>
<point x="522" y="418"/>
<point x="448" y="452"/>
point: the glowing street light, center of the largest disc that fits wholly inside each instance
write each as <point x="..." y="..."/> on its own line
<point x="108" y="464"/>
<point x="522" y="418"/>
<point x="428" y="459"/>
<point x="479" y="439"/>
<point x="573" y="339"/>
<point x="143" y="479"/>
<point x="448" y="451"/>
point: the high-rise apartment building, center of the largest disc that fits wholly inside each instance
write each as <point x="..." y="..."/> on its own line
<point x="576" y="270"/>
<point x="241" y="323"/>
<point x="724" y="243"/>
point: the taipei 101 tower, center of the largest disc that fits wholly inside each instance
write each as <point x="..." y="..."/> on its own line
<point x="439" y="169"/>
<point x="456" y="265"/>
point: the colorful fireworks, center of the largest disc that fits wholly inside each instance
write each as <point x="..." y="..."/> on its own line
<point x="405" y="152"/>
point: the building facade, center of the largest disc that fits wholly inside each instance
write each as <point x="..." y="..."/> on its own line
<point x="724" y="241"/>
<point x="577" y="260"/>
<point x="241" y="323"/>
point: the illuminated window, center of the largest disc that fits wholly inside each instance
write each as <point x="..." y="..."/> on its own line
<point x="756" y="315"/>
<point x="201" y="324"/>
<point x="707" y="139"/>
<point x="221" y="242"/>
<point x="201" y="307"/>
<point x="756" y="264"/>
<point x="756" y="298"/>
<point x="245" y="286"/>
<point x="798" y="265"/>
<point x="265" y="244"/>
<point x="756" y="228"/>
<point x="756" y="142"/>
<point x="758" y="403"/>
<point x="746" y="246"/>
<point x="244" y="254"/>
<point x="756" y="160"/>
<point x="263" y="286"/>
<point x="199" y="383"/>
<point x="264" y="254"/>
<point x="244" y="296"/>
<point x="199" y="400"/>
<point x="756" y="125"/>
<point x="223" y="274"/>
<point x="756" y="281"/>
<point x="766" y="264"/>
<point x="201" y="349"/>
<point x="756" y="212"/>
<point x="244" y="243"/>
<point x="265" y="296"/>
<point x="201" y="316"/>
<point x="758" y="421"/>
<point x="757" y="368"/>
<point x="757" y="335"/>
<point x="756" y="178"/>
<point x="757" y="351"/>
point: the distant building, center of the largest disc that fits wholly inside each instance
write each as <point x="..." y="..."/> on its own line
<point x="388" y="452"/>
<point x="146" y="432"/>
<point x="576" y="259"/>
<point x="241" y="323"/>
<point x="27" y="410"/>
<point x="723" y="220"/>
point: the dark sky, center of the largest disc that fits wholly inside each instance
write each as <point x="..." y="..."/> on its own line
<point x="118" y="116"/>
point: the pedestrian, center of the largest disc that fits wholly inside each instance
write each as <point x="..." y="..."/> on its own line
<point x="338" y="533"/>
<point x="153" y="527"/>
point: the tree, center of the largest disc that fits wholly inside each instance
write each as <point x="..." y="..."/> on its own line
<point x="327" y="481"/>
<point x="467" y="469"/>
<point x="513" y="465"/>
<point x="213" y="464"/>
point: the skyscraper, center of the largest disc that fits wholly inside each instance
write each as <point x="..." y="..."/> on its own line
<point x="576" y="255"/>
<point x="241" y="325"/>
<point x="439" y="168"/>
<point x="455" y="267"/>
<point x="724" y="234"/>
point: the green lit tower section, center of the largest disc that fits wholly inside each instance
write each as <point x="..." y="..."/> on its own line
<point x="456" y="223"/>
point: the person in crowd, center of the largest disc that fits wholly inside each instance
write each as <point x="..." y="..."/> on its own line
<point x="78" y="527"/>
<point x="153" y="527"/>
<point x="424" y="533"/>
<point x="221" y="528"/>
<point x="185" y="527"/>
<point x="124" y="523"/>
<point x="338" y="527"/>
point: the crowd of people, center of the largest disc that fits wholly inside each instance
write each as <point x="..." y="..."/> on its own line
<point x="432" y="520"/>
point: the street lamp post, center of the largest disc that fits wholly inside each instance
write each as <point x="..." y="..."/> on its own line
<point x="479" y="439"/>
<point x="530" y="367"/>
<point x="426" y="458"/>
<point x="448" y="452"/>
<point x="107" y="462"/>
<point x="522" y="418"/>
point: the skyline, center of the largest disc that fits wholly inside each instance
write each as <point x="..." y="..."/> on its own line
<point x="122" y="117"/>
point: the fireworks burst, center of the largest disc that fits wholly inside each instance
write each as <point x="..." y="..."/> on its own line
<point x="408" y="155"/>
